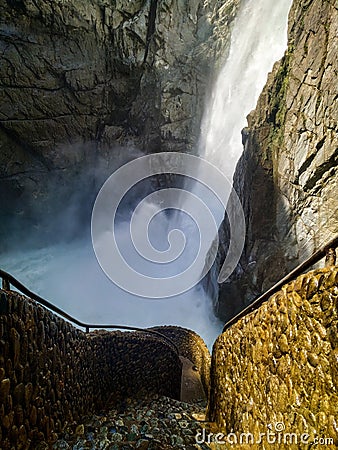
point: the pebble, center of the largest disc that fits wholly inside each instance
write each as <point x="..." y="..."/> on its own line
<point x="158" y="423"/>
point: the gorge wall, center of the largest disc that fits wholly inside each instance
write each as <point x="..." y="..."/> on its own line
<point x="87" y="86"/>
<point x="287" y="176"/>
<point x="278" y="366"/>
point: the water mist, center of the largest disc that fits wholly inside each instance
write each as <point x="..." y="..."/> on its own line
<point x="69" y="275"/>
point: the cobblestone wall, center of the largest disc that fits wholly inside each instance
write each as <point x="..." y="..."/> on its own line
<point x="191" y="346"/>
<point x="52" y="373"/>
<point x="278" y="367"/>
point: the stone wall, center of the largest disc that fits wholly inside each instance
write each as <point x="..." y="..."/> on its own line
<point x="191" y="346"/>
<point x="279" y="365"/>
<point x="287" y="176"/>
<point x="52" y="373"/>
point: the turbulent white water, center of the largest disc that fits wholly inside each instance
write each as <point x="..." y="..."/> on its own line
<point x="257" y="41"/>
<point x="69" y="276"/>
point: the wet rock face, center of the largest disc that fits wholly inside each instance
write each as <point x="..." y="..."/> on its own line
<point x="51" y="373"/>
<point x="278" y="365"/>
<point x="91" y="85"/>
<point x="287" y="176"/>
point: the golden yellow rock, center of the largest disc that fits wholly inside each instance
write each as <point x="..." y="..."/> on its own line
<point x="79" y="430"/>
<point x="283" y="343"/>
<point x="313" y="359"/>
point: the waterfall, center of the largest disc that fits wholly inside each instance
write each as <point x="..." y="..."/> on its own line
<point x="258" y="40"/>
<point x="69" y="276"/>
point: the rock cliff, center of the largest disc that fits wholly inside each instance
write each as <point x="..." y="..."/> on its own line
<point x="91" y="84"/>
<point x="287" y="175"/>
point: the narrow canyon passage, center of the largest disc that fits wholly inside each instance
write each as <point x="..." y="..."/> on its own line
<point x="163" y="164"/>
<point x="68" y="274"/>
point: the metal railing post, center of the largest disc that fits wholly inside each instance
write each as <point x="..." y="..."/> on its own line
<point x="6" y="286"/>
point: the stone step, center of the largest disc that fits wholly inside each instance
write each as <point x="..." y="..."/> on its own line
<point x="157" y="423"/>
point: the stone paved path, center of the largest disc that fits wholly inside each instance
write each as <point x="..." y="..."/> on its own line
<point x="160" y="423"/>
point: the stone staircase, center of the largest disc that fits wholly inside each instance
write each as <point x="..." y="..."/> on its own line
<point x="157" y="423"/>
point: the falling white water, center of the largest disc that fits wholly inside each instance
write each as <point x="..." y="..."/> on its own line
<point x="258" y="40"/>
<point x="69" y="276"/>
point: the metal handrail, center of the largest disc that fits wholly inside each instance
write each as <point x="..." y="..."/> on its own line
<point x="309" y="262"/>
<point x="8" y="279"/>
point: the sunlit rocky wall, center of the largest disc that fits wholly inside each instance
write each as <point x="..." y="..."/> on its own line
<point x="278" y="367"/>
<point x="287" y="177"/>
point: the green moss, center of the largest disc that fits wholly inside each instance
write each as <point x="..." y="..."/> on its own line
<point x="278" y="93"/>
<point x="277" y="110"/>
<point x="277" y="101"/>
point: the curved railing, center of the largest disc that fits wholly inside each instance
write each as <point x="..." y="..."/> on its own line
<point x="324" y="251"/>
<point x="8" y="280"/>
